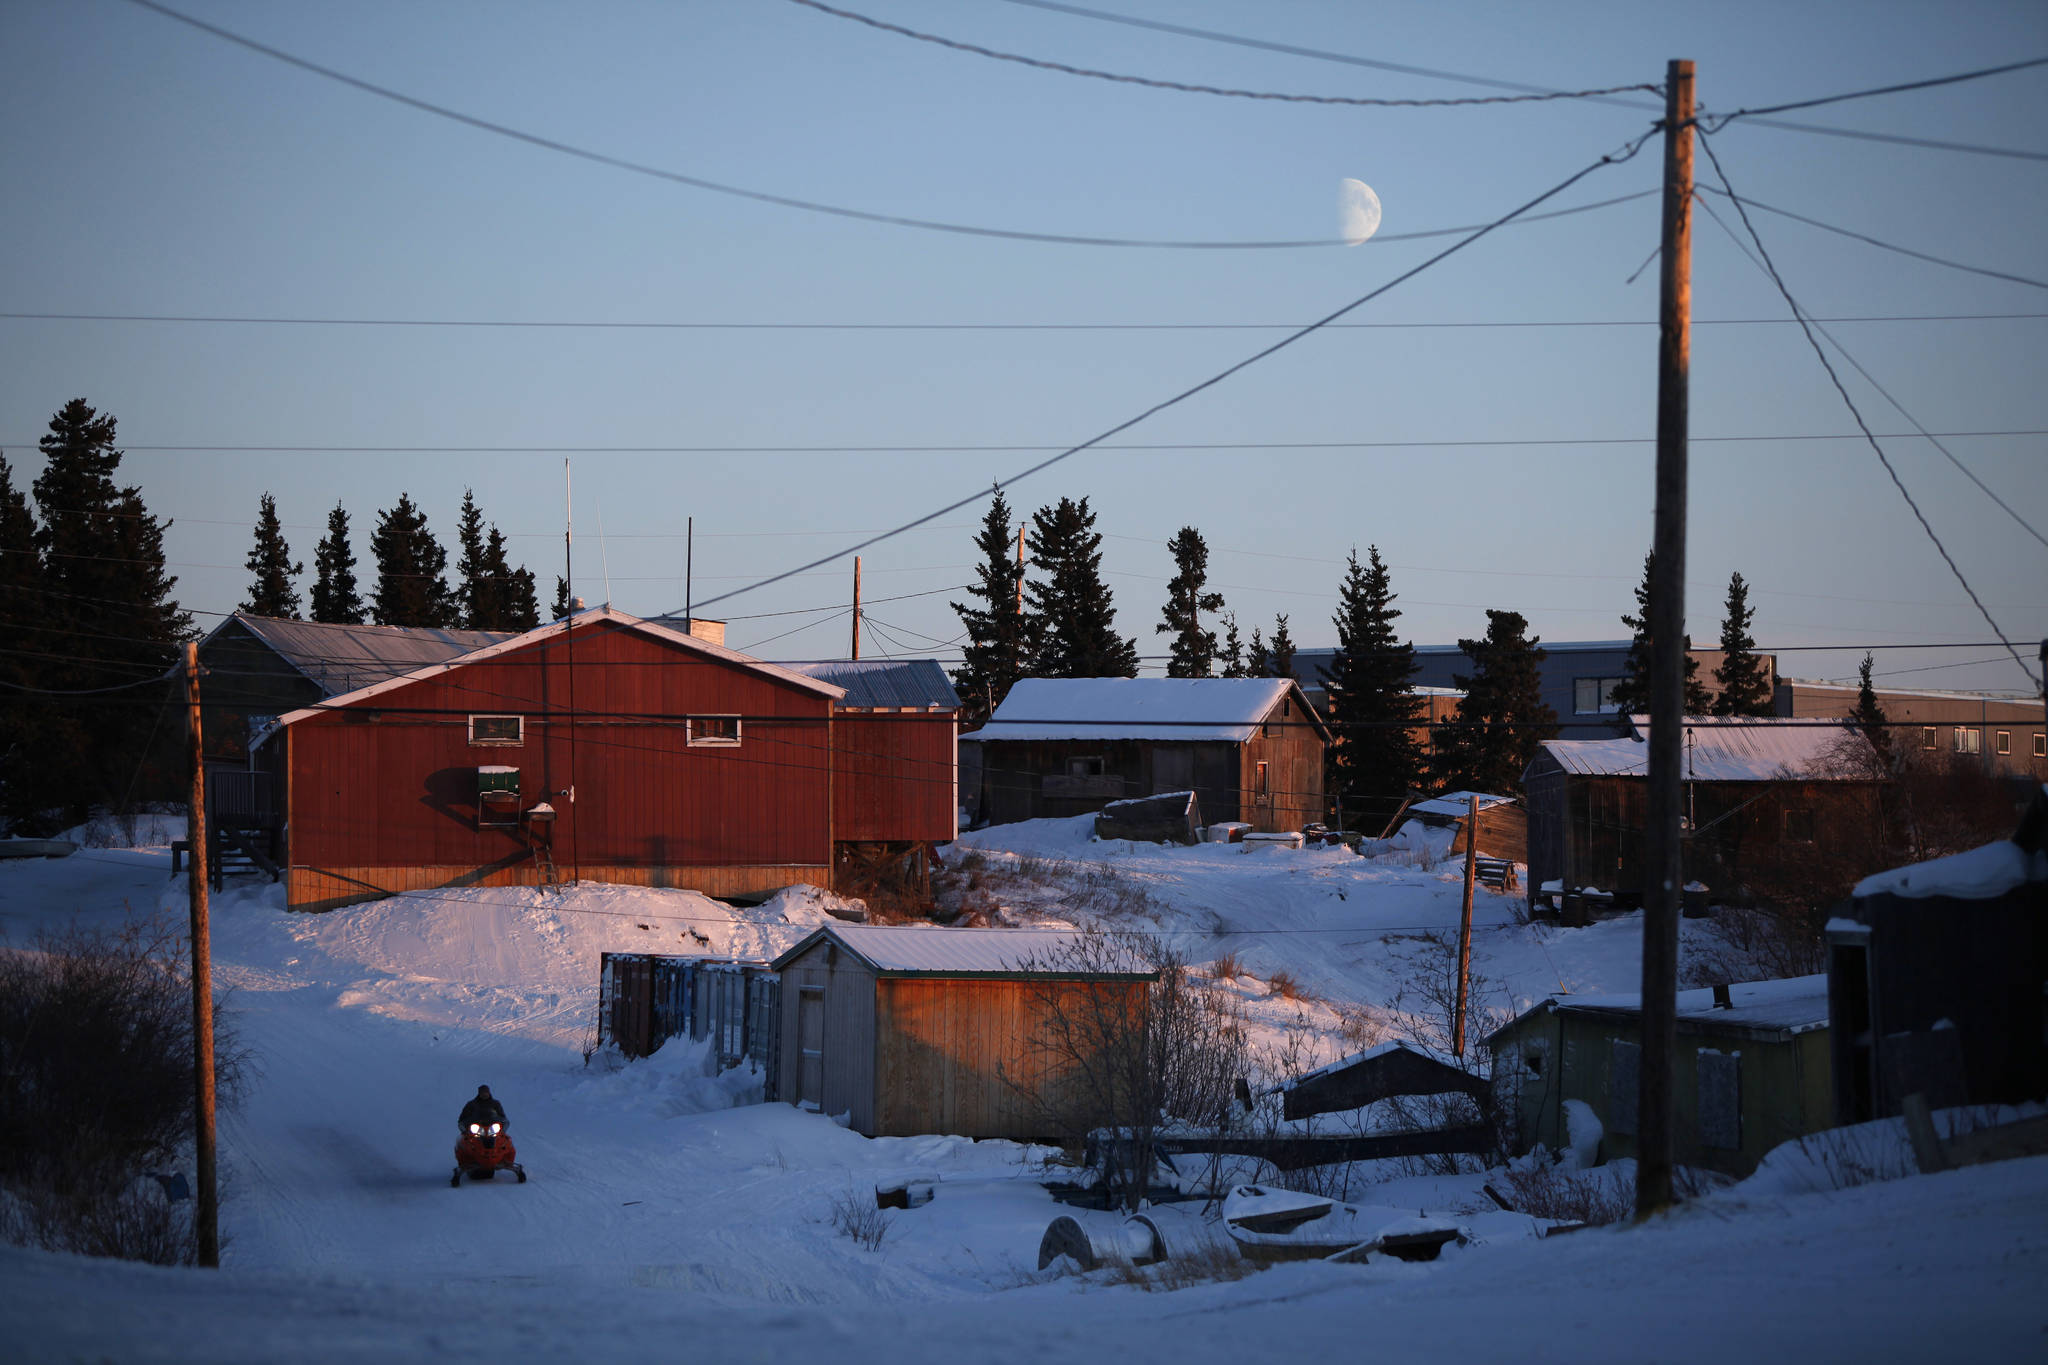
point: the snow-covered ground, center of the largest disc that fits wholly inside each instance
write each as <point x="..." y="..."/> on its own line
<point x="667" y="1214"/>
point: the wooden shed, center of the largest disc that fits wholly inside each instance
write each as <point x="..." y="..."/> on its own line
<point x="1749" y="1073"/>
<point x="928" y="1030"/>
<point x="1768" y="803"/>
<point x="1251" y="749"/>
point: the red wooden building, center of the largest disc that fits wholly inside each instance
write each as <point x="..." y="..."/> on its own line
<point x="610" y="748"/>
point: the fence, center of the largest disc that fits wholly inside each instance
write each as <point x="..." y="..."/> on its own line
<point x="645" y="999"/>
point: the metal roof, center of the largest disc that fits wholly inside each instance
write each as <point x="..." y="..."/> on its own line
<point x="1191" y="710"/>
<point x="912" y="950"/>
<point x="1726" y="749"/>
<point x="1783" y="1008"/>
<point x="919" y="683"/>
<point x="340" y="659"/>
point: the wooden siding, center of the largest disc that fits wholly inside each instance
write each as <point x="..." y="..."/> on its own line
<point x="1293" y="753"/>
<point x="848" y="1069"/>
<point x="328" y="888"/>
<point x="892" y="776"/>
<point x="244" y="678"/>
<point x="388" y="785"/>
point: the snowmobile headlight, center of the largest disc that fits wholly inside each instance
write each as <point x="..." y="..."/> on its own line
<point x="475" y="1128"/>
<point x="497" y="1128"/>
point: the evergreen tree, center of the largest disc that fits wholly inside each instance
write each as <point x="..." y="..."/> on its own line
<point x="103" y="569"/>
<point x="1231" y="655"/>
<point x="1373" y="760"/>
<point x="1745" y="691"/>
<point x="1258" y="660"/>
<point x="1078" y="638"/>
<point x="1632" y="694"/>
<point x="21" y="616"/>
<point x="477" y="589"/>
<point x="999" y="635"/>
<point x="1280" y="650"/>
<point x="562" y="605"/>
<point x="1502" y="718"/>
<point x="519" y="604"/>
<point x="412" y="589"/>
<point x="1194" y="649"/>
<point x="336" y="598"/>
<point x="1869" y="716"/>
<point x="271" y="591"/>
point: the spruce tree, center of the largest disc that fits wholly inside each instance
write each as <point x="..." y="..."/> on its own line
<point x="477" y="590"/>
<point x="1502" y="718"/>
<point x="1194" y="649"/>
<point x="1632" y="694"/>
<point x="271" y="591"/>
<point x="22" y="613"/>
<point x="1258" y="660"/>
<point x="1079" y="638"/>
<point x="1373" y="760"/>
<point x="1745" y="691"/>
<point x="103" y="569"/>
<point x="412" y="589"/>
<point x="562" y="606"/>
<point x="1280" y="650"/>
<point x="518" y="601"/>
<point x="1868" y="716"/>
<point x="1231" y="655"/>
<point x="337" y="600"/>
<point x="999" y="634"/>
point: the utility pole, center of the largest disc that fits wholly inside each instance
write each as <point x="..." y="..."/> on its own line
<point x="207" y="1219"/>
<point x="689" y="574"/>
<point x="1020" y="570"/>
<point x="856" y="606"/>
<point x="1465" y="928"/>
<point x="1663" y="861"/>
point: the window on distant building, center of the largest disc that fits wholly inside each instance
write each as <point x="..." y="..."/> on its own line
<point x="1594" y="696"/>
<point x="2040" y="744"/>
<point x="1087" y="766"/>
<point x="1969" y="740"/>
<point x="714" y="731"/>
<point x="1798" y="825"/>
<point x="1927" y="737"/>
<point x="497" y="730"/>
<point x="2005" y="741"/>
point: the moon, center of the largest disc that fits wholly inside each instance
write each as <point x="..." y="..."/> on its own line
<point x="1358" y="211"/>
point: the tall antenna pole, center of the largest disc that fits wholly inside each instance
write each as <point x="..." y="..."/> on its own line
<point x="1663" y="860"/>
<point x="569" y="662"/>
<point x="604" y="551"/>
<point x="689" y="572"/>
<point x="856" y="606"/>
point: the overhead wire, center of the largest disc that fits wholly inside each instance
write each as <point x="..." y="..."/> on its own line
<point x="1063" y="68"/>
<point x="1714" y="123"/>
<point x="761" y="196"/>
<point x="1889" y="246"/>
<point x="1706" y="143"/>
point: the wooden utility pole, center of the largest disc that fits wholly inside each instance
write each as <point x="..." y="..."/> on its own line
<point x="1020" y="570"/>
<point x="207" y="1219"/>
<point x="1465" y="928"/>
<point x="856" y="606"/>
<point x="1663" y="862"/>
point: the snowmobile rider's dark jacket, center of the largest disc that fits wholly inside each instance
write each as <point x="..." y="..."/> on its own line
<point x="484" y="1110"/>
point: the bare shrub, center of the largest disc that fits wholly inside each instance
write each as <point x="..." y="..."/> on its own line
<point x="1213" y="1260"/>
<point x="1546" y="1191"/>
<point x="860" y="1219"/>
<point x="96" y="1086"/>
<point x="1225" y="967"/>
<point x="1283" y="984"/>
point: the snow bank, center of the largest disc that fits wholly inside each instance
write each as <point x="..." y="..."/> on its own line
<point x="1980" y="874"/>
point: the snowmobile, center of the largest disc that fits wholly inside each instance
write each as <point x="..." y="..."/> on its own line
<point x="482" y="1151"/>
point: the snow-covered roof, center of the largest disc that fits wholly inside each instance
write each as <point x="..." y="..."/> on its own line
<point x="1795" y="1005"/>
<point x="1724" y="749"/>
<point x="1191" y="710"/>
<point x="1978" y="874"/>
<point x="884" y="682"/>
<point x="504" y="644"/>
<point x="934" y="951"/>
<point x="1458" y="804"/>
<point x="339" y="659"/>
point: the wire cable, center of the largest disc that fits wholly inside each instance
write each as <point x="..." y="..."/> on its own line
<point x="1061" y="67"/>
<point x="760" y="196"/>
<point x="1714" y="123"/>
<point x="1888" y="246"/>
<point x="1611" y="158"/>
<point x="1777" y="279"/>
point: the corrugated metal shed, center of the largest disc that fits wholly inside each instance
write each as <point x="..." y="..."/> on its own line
<point x="893" y="950"/>
<point x="1457" y="805"/>
<point x="1723" y="749"/>
<point x="890" y="683"/>
<point x="341" y="659"/>
<point x="1189" y="710"/>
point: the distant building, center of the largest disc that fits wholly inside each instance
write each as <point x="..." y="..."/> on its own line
<point x="2007" y="732"/>
<point x="1251" y="749"/>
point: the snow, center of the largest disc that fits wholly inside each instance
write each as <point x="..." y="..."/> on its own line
<point x="1188" y="710"/>
<point x="1583" y="1132"/>
<point x="1977" y="874"/>
<point x="667" y="1209"/>
<point x="1458" y="805"/>
<point x="929" y="949"/>
<point x="1724" y="749"/>
<point x="1796" y="1004"/>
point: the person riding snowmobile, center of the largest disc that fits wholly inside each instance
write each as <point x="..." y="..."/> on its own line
<point x="484" y="1147"/>
<point x="483" y="1110"/>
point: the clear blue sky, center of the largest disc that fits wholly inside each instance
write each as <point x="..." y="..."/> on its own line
<point x="152" y="169"/>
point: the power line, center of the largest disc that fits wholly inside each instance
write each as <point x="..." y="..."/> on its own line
<point x="1888" y="246"/>
<point x="1836" y="380"/>
<point x="761" y="196"/>
<point x="1610" y="158"/>
<point x="1320" y="54"/>
<point x="1063" y="68"/>
<point x="596" y="325"/>
<point x="1716" y="122"/>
